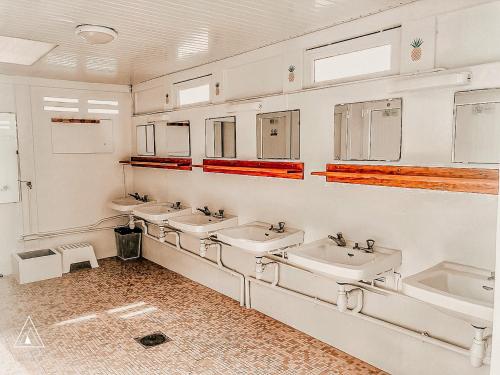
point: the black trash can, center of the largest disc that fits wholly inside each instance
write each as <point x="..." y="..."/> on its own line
<point x="128" y="242"/>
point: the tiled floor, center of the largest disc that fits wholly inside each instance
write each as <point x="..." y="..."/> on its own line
<point x="88" y="320"/>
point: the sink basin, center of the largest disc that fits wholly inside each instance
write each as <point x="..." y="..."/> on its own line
<point x="201" y="225"/>
<point x="159" y="213"/>
<point x="456" y="289"/>
<point x="256" y="238"/>
<point x="344" y="264"/>
<point x="125" y="204"/>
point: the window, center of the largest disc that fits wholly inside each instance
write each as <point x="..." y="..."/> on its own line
<point x="353" y="64"/>
<point x="103" y="106"/>
<point x="371" y="55"/>
<point x="193" y="91"/>
<point x="58" y="104"/>
<point x="104" y="110"/>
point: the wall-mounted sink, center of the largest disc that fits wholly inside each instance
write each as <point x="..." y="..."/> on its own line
<point x="159" y="213"/>
<point x="462" y="291"/>
<point x="258" y="239"/>
<point x="201" y="225"/>
<point x="125" y="204"/>
<point x="344" y="264"/>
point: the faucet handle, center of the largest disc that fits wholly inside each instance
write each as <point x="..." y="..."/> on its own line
<point x="176" y="205"/>
<point x="281" y="225"/>
<point x="370" y="243"/>
<point x="221" y="213"/>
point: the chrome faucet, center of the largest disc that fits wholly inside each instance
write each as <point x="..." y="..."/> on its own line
<point x="137" y="196"/>
<point x="176" y="205"/>
<point x="339" y="239"/>
<point x="368" y="248"/>
<point x="205" y="211"/>
<point x="219" y="214"/>
<point x="279" y="229"/>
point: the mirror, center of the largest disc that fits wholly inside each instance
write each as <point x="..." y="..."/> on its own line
<point x="145" y="140"/>
<point x="278" y="135"/>
<point x="9" y="168"/>
<point x="173" y="139"/>
<point x="220" y="137"/>
<point x="477" y="126"/>
<point x="368" y="130"/>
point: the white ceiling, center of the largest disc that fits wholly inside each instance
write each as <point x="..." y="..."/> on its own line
<point x="158" y="37"/>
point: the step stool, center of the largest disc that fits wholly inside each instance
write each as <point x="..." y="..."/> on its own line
<point x="77" y="253"/>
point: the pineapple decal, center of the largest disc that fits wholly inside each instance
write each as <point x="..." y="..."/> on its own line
<point x="291" y="73"/>
<point x="416" y="52"/>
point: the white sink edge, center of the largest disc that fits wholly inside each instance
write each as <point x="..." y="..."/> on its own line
<point x="443" y="300"/>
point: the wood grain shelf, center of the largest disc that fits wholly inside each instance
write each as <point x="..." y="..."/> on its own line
<point x="74" y="120"/>
<point x="471" y="180"/>
<point x="183" y="164"/>
<point x="290" y="170"/>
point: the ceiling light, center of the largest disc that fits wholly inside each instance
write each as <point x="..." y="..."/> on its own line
<point x="95" y="34"/>
<point x="22" y="51"/>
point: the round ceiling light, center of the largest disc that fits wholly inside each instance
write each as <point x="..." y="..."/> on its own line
<point x="95" y="34"/>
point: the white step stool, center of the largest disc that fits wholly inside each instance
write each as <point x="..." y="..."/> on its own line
<point x="76" y="253"/>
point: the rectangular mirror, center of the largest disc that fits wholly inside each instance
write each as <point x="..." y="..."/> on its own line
<point x="9" y="167"/>
<point x="173" y="139"/>
<point x="278" y="135"/>
<point x="368" y="130"/>
<point x="220" y="137"/>
<point x="145" y="139"/>
<point x="477" y="127"/>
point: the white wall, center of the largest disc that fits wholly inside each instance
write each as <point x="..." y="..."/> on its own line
<point x="428" y="226"/>
<point x="68" y="189"/>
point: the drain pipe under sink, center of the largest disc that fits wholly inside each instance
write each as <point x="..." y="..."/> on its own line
<point x="478" y="347"/>
<point x="343" y="298"/>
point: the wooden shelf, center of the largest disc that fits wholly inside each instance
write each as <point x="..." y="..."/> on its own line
<point x="183" y="164"/>
<point x="290" y="170"/>
<point x="75" y="120"/>
<point x="471" y="180"/>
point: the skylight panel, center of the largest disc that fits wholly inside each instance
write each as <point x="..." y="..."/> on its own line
<point x="22" y="51"/>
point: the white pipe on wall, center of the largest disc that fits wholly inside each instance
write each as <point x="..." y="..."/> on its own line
<point x="75" y="230"/>
<point x="356" y="311"/>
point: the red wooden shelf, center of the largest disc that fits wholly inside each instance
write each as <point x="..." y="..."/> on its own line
<point x="290" y="170"/>
<point x="161" y="163"/>
<point x="75" y="120"/>
<point x="471" y="180"/>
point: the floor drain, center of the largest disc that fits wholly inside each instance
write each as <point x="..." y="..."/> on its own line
<point x="153" y="339"/>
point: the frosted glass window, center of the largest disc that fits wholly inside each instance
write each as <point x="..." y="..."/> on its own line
<point x="193" y="95"/>
<point x="358" y="63"/>
<point x="9" y="169"/>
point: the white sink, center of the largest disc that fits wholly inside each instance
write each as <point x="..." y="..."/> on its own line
<point x="159" y="213"/>
<point x="201" y="225"/>
<point x="125" y="204"/>
<point x="459" y="290"/>
<point x="258" y="239"/>
<point x="344" y="264"/>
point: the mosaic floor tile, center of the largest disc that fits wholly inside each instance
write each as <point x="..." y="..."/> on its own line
<point x="88" y="320"/>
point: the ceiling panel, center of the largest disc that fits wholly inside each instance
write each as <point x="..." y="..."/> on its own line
<point x="160" y="36"/>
